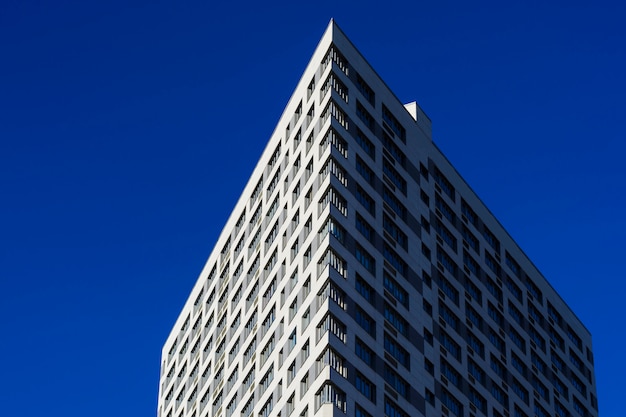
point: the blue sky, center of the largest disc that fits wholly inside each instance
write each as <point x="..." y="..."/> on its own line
<point x="129" y="128"/>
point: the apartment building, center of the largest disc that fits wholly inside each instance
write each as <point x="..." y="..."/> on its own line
<point x="360" y="275"/>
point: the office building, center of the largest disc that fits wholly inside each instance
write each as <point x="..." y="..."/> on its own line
<point x="360" y="275"/>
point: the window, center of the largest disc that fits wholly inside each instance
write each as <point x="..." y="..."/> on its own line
<point x="517" y="339"/>
<point x="445" y="234"/>
<point x="450" y="345"/>
<point x="364" y="289"/>
<point x="512" y="264"/>
<point x="495" y="315"/>
<point x="304" y="385"/>
<point x="574" y="338"/>
<point x="449" y="317"/>
<point x="446" y="261"/>
<point x="364" y="228"/>
<point x="444" y="210"/>
<point x="396" y="320"/>
<point x="336" y="199"/>
<point x="333" y="82"/>
<point x="518" y="364"/>
<point x="394" y="203"/>
<point x="333" y="228"/>
<point x="494" y="289"/>
<point x="450" y="373"/>
<point x="365" y="387"/>
<point x="493" y="265"/>
<point x="499" y="395"/>
<point x="394" y="124"/>
<point x="476" y="371"/>
<point x="394" y="176"/>
<point x="396" y="382"/>
<point x="473" y="290"/>
<point x="329" y="394"/>
<point x="478" y="400"/>
<point x="476" y="345"/>
<point x="393" y="149"/>
<point x="396" y="261"/>
<point x="534" y="290"/>
<point x="395" y="289"/>
<point x="364" y="171"/>
<point x="498" y="368"/>
<point x="393" y="410"/>
<point x="451" y="403"/>
<point x="330" y="323"/>
<point x="490" y="238"/>
<point x="520" y="391"/>
<point x="366" y="144"/>
<point x="394" y="231"/>
<point x="397" y="351"/>
<point x="449" y="290"/>
<point x="471" y="240"/>
<point x="365" y="200"/>
<point x="537" y="362"/>
<point x="540" y="388"/>
<point x="365" y="116"/>
<point x="335" y="361"/>
<point x="366" y="322"/>
<point x="496" y="341"/>
<point x="360" y="412"/>
<point x="365" y="259"/>
<point x="364" y="352"/>
<point x="443" y="183"/>
<point x="473" y="316"/>
<point x="365" y="89"/>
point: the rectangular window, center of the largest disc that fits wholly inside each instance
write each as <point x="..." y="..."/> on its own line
<point x="396" y="382"/>
<point x="396" y="261"/>
<point x="394" y="176"/>
<point x="476" y="371"/>
<point x="365" y="259"/>
<point x="365" y="321"/>
<point x="397" y="351"/>
<point x="364" y="228"/>
<point x="451" y="403"/>
<point x="491" y="239"/>
<point x="396" y="320"/>
<point x="365" y="89"/>
<point x="393" y="149"/>
<point x="450" y="373"/>
<point x="444" y="184"/>
<point x="364" y="352"/>
<point x="365" y="387"/>
<point x="471" y="240"/>
<point x="445" y="234"/>
<point x="364" y="171"/>
<point x="393" y="410"/>
<point x="394" y="232"/>
<point x="450" y="345"/>
<point x="366" y="201"/>
<point x="393" y="124"/>
<point x="394" y="203"/>
<point x="365" y="116"/>
<point x="329" y="394"/>
<point x="364" y="289"/>
<point x="395" y="289"/>
<point x="366" y="144"/>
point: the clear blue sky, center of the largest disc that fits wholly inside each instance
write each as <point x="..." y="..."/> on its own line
<point x="129" y="128"/>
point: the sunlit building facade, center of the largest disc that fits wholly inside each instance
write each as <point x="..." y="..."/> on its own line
<point x="360" y="275"/>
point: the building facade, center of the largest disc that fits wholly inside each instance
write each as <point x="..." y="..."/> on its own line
<point x="360" y="275"/>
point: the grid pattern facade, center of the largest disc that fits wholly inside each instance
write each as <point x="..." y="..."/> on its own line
<point x="360" y="275"/>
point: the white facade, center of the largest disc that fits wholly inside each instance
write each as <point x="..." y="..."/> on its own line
<point x="359" y="274"/>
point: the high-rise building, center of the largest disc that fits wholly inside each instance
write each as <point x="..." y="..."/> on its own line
<point x="360" y="275"/>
